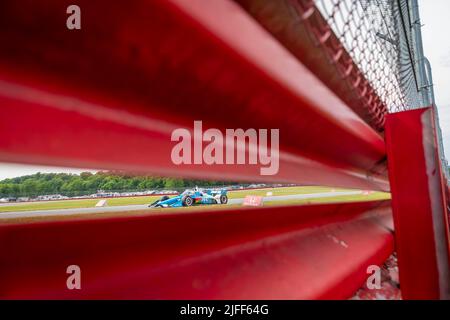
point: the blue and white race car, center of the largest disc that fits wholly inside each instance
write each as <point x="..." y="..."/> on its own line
<point x="192" y="197"/>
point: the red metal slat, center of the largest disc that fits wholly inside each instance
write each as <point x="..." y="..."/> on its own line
<point x="101" y="139"/>
<point x="305" y="252"/>
<point x="109" y="95"/>
<point x="419" y="205"/>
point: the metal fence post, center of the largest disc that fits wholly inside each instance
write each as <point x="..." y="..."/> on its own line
<point x="418" y="204"/>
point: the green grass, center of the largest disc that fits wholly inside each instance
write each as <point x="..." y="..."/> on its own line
<point x="281" y="191"/>
<point x="89" y="203"/>
<point x="344" y="198"/>
<point x="71" y="204"/>
<point x="337" y="199"/>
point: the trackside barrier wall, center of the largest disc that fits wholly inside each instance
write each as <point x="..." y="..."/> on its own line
<point x="419" y="204"/>
<point x="127" y="86"/>
<point x="110" y="96"/>
<point x="306" y="252"/>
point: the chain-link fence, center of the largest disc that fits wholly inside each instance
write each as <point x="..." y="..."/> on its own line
<point x="383" y="38"/>
<point x="368" y="52"/>
<point x="378" y="35"/>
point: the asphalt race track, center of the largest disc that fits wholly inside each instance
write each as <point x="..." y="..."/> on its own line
<point x="66" y="212"/>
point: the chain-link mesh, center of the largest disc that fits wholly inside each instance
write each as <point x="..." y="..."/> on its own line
<point x="368" y="52"/>
<point x="365" y="51"/>
<point x="383" y="39"/>
<point x="377" y="35"/>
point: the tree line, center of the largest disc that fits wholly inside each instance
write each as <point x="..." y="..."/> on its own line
<point x="87" y="183"/>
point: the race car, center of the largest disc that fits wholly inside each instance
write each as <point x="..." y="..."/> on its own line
<point x="192" y="197"/>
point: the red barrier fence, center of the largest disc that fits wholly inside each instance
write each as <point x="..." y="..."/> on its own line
<point x="133" y="83"/>
<point x="419" y="205"/>
<point x="307" y="252"/>
<point x="109" y="96"/>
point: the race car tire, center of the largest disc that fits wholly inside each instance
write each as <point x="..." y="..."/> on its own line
<point x="223" y="199"/>
<point x="187" y="201"/>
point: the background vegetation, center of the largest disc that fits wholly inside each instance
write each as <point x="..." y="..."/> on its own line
<point x="88" y="183"/>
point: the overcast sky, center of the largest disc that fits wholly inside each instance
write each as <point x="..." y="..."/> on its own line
<point x="436" y="38"/>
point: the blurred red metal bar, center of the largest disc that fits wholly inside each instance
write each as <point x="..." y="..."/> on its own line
<point x="419" y="205"/>
<point x="301" y="252"/>
<point x="109" y="95"/>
